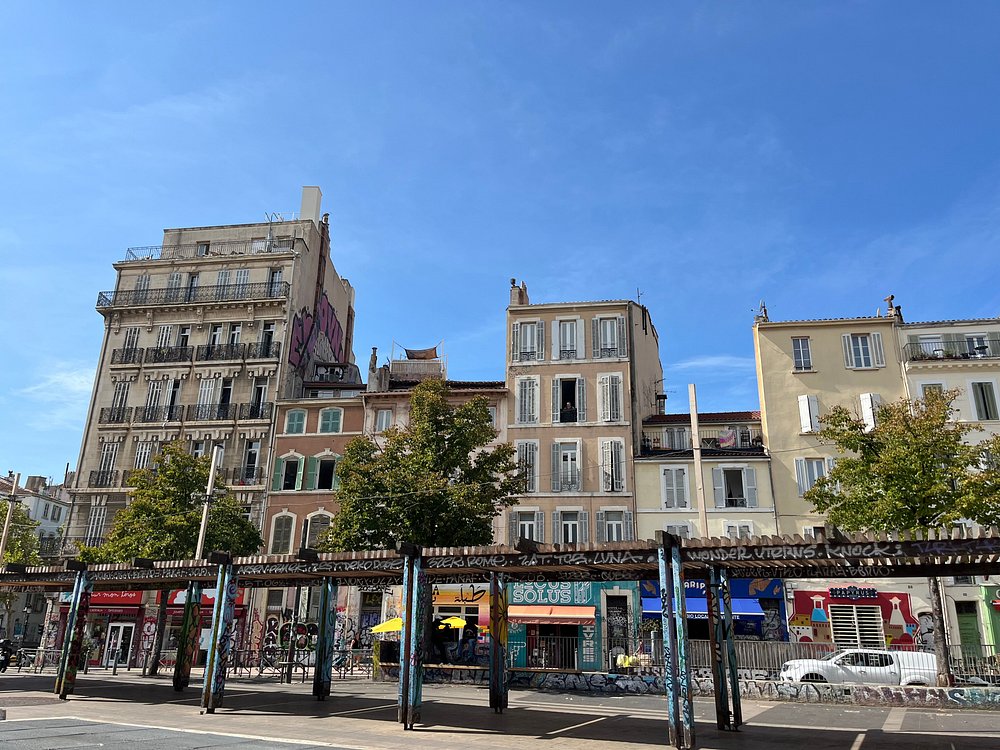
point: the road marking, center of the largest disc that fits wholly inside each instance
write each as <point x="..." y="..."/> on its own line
<point x="858" y="741"/>
<point x="577" y="726"/>
<point x="894" y="721"/>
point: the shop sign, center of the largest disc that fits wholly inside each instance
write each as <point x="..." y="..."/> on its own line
<point x="552" y="593"/>
<point x="107" y="598"/>
<point x="177" y="598"/>
<point x="739" y="588"/>
<point x="467" y="593"/>
<point x="852" y="592"/>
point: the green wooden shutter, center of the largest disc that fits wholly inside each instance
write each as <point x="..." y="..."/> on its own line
<point x="311" y="472"/>
<point x="298" y="475"/>
<point x="279" y="466"/>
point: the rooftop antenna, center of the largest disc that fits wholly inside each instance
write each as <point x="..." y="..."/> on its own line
<point x="638" y="295"/>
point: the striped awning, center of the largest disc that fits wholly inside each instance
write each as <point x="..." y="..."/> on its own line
<point x="550" y="615"/>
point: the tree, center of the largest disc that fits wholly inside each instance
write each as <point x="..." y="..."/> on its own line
<point x="163" y="518"/>
<point x="22" y="547"/>
<point x="437" y="482"/>
<point x="914" y="470"/>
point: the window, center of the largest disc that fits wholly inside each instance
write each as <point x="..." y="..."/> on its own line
<point x="527" y="524"/>
<point x="965" y="581"/>
<point x="676" y="438"/>
<point x="682" y="530"/>
<point x="291" y="474"/>
<point x="144" y="451"/>
<point x="266" y="336"/>
<point x="131" y="338"/>
<point x="609" y="337"/>
<point x="323" y="473"/>
<point x="566" y="467"/>
<point x="570" y="527"/>
<point x="927" y="388"/>
<point x="192" y="290"/>
<point x="275" y="600"/>
<point x="569" y="400"/>
<point x="801" y="353"/>
<point x="383" y="420"/>
<point x="235" y="329"/>
<point x="870" y="404"/>
<point x="735" y="487"/>
<point x="527" y="463"/>
<point x="566" y="336"/>
<point x="526" y="398"/>
<point x="317" y="526"/>
<point x="164" y="335"/>
<point x="614" y="526"/>
<point x="977" y="345"/>
<point x="493" y="415"/>
<point x="858" y="626"/>
<point x="45" y="511"/>
<point x="863" y="351"/>
<point x="295" y="422"/>
<point x="330" y="420"/>
<point x="808" y="470"/>
<point x="809" y="413"/>
<point x="183" y="335"/>
<point x="198" y="448"/>
<point x="56" y="513"/>
<point x="251" y="458"/>
<point x="742" y="530"/>
<point x="202" y="250"/>
<point x="985" y="400"/>
<point x="274" y="282"/>
<point x="611" y="398"/>
<point x="675" y="491"/>
<point x="281" y="535"/>
<point x="527" y="342"/>
<point x="612" y="465"/>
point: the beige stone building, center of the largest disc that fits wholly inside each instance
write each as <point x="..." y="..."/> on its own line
<point x="202" y="334"/>
<point x="581" y="376"/>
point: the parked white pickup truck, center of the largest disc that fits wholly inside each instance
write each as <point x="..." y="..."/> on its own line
<point x="872" y="666"/>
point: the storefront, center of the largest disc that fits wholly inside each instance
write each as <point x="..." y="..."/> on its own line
<point x="114" y="622"/>
<point x="175" y="617"/>
<point x="991" y="617"/>
<point x="849" y="616"/>
<point x="758" y="606"/>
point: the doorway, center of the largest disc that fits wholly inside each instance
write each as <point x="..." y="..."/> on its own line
<point x="119" y="643"/>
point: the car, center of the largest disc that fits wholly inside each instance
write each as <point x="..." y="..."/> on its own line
<point x="875" y="666"/>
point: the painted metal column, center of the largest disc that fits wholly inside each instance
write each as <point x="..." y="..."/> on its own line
<point x="734" y="673"/>
<point x="421" y="599"/>
<point x="684" y="697"/>
<point x="405" y="647"/>
<point x="76" y="624"/>
<point x="674" y="647"/>
<point x="717" y="640"/>
<point x="187" y="640"/>
<point x="498" y="643"/>
<point x="323" y="674"/>
<point x="222" y="638"/>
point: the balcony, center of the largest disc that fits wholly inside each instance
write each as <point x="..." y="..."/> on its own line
<point x="967" y="349"/>
<point x="256" y="411"/>
<point x="220" y="352"/>
<point x="199" y="295"/>
<point x="103" y="478"/>
<point x="159" y="414"/>
<point x="211" y="412"/>
<point x="246" y="476"/>
<point x="164" y="354"/>
<point x="115" y="415"/>
<point x="50" y="546"/>
<point x="208" y="249"/>
<point x="131" y="356"/>
<point x="743" y="438"/>
<point x="266" y="350"/>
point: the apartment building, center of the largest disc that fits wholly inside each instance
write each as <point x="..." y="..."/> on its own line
<point x="202" y="335"/>
<point x="581" y="376"/>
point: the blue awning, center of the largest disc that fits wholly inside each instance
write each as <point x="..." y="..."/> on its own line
<point x="697" y="609"/>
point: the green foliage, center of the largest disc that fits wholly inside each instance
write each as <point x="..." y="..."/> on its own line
<point x="436" y="483"/>
<point x="22" y="540"/>
<point x="163" y="516"/>
<point x="914" y="470"/>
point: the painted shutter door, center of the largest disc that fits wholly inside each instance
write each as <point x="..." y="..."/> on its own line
<point x="298" y="475"/>
<point x="750" y="486"/>
<point x="629" y="526"/>
<point x="556" y="406"/>
<point x="801" y="476"/>
<point x="279" y="466"/>
<point x="599" y="529"/>
<point x="622" y="337"/>
<point x="539" y="526"/>
<point x="848" y="355"/>
<point x="719" y="487"/>
<point x="596" y="337"/>
<point x="555" y="468"/>
<point x="877" y="352"/>
<point x="515" y="343"/>
<point x="512" y="528"/>
<point x="311" y="473"/>
<point x="868" y="406"/>
<point x="540" y="340"/>
<point x="584" y="528"/>
<point x="581" y="400"/>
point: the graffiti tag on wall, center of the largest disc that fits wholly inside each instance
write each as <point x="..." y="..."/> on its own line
<point x="307" y="326"/>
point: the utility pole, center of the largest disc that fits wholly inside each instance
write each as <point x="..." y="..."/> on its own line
<point x="209" y="491"/>
<point x="699" y="479"/>
<point x="11" y="500"/>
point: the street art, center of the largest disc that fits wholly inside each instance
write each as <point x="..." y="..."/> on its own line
<point x="307" y="326"/>
<point x="809" y="621"/>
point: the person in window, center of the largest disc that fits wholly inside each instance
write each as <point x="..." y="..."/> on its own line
<point x="568" y="413"/>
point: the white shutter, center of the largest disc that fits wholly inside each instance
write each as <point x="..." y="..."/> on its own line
<point x="539" y="526"/>
<point x="750" y="486"/>
<point x="599" y="529"/>
<point x="869" y="407"/>
<point x="515" y="342"/>
<point x="556" y="341"/>
<point x="580" y="351"/>
<point x="153" y="394"/>
<point x="805" y="414"/>
<point x="206" y="391"/>
<point x="164" y="336"/>
<point x="848" y="354"/>
<point x="556" y="398"/>
<point x="629" y="526"/>
<point x="605" y="392"/>
<point x="607" y="470"/>
<point x="801" y="476"/>
<point x="719" y="487"/>
<point x="540" y="340"/>
<point x="878" y="353"/>
<point x="556" y="468"/>
<point x="669" y="489"/>
<point x="622" y="337"/>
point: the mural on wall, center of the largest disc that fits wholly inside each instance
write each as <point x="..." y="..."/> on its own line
<point x="306" y="326"/>
<point x="809" y="621"/>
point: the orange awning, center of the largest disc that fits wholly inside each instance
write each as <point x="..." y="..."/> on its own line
<point x="550" y="615"/>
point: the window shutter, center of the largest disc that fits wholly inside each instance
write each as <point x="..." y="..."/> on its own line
<point x="669" y="490"/>
<point x="279" y="466"/>
<point x="680" y="484"/>
<point x="311" y="473"/>
<point x="515" y="342"/>
<point x="629" y="527"/>
<point x="512" y="520"/>
<point x="555" y="469"/>
<point x="581" y="400"/>
<point x="298" y="475"/>
<point x="556" y="341"/>
<point x="540" y="340"/>
<point x="532" y="467"/>
<point x="599" y="529"/>
<point x="596" y="337"/>
<point x="750" y="485"/>
<point x="584" y="528"/>
<point x="869" y="404"/>
<point x="580" y="351"/>
<point x="532" y="400"/>
<point x="801" y="476"/>
<point x="807" y="404"/>
<point x="539" y="527"/>
<point x="877" y="352"/>
<point x="556" y="536"/>
<point x="622" y="338"/>
<point x="556" y="406"/>
<point x="830" y="463"/>
<point x="618" y="463"/>
<point x="605" y="405"/>
<point x="615" y="390"/>
<point x="719" y="487"/>
<point x="607" y="479"/>
<point x="848" y="355"/>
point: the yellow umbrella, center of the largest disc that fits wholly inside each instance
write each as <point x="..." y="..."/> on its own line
<point x="392" y="625"/>
<point x="453" y="622"/>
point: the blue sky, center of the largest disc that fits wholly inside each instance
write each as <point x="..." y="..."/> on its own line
<point x="817" y="156"/>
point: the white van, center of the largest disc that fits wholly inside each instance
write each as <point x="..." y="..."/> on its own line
<point x="873" y="666"/>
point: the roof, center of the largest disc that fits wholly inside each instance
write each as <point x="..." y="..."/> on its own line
<point x="454" y="385"/>
<point x="704" y="416"/>
<point x="856" y="318"/>
<point x="917" y="324"/>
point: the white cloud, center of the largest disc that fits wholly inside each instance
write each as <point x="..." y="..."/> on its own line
<point x="61" y="394"/>
<point x="714" y="363"/>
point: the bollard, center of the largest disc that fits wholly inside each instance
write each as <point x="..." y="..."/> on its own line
<point x="114" y="666"/>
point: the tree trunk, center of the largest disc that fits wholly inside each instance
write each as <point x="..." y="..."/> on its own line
<point x="153" y="666"/>
<point x="944" y="675"/>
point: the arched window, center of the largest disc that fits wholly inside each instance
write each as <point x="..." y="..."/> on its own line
<point x="319" y="524"/>
<point x="295" y="422"/>
<point x="281" y="534"/>
<point x="330" y="420"/>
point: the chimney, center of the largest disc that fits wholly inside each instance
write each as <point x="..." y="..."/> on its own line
<point x="518" y="294"/>
<point x="312" y="197"/>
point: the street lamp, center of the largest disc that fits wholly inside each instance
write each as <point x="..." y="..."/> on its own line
<point x="209" y="492"/>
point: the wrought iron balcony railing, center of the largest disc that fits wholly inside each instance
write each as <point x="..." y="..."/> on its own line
<point x="163" y="354"/>
<point x="246" y="476"/>
<point x="49" y="546"/>
<point x="115" y="415"/>
<point x="211" y="412"/>
<point x="269" y="350"/>
<point x="971" y="348"/>
<point x="131" y="356"/>
<point x="103" y="478"/>
<point x="208" y="249"/>
<point x="256" y="411"/>
<point x="734" y="438"/>
<point x="218" y="352"/>
<point x="159" y="414"/>
<point x="262" y="290"/>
